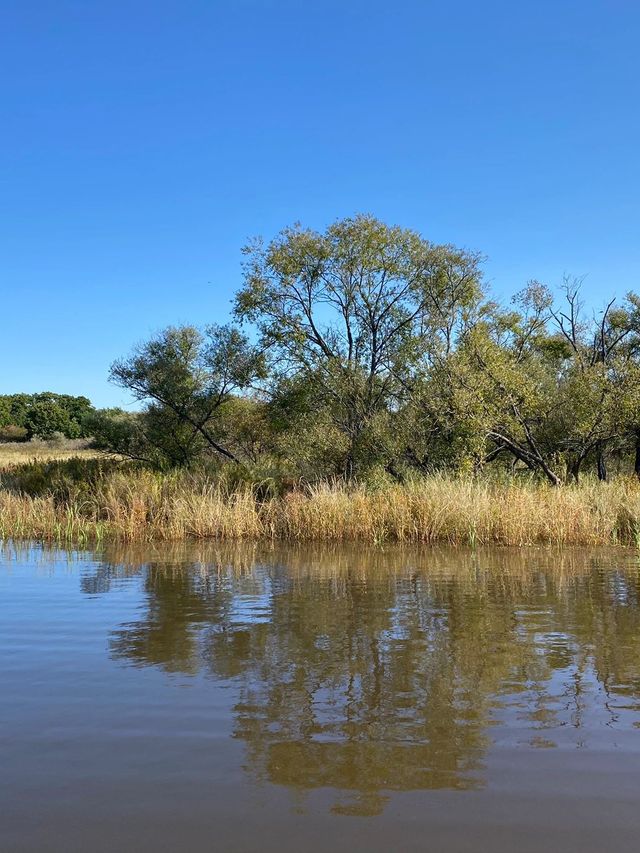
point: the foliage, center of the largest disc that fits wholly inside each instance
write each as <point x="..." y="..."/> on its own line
<point x="185" y="377"/>
<point x="43" y="416"/>
<point x="370" y="354"/>
<point x="13" y="433"/>
<point x="352" y="312"/>
<point x="46" y="419"/>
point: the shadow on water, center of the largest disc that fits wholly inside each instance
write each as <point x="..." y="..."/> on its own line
<point x="370" y="671"/>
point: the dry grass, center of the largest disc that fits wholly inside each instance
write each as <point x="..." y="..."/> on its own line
<point x="20" y="452"/>
<point x="143" y="506"/>
<point x="464" y="512"/>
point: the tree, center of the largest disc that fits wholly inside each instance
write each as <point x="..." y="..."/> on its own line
<point x="155" y="436"/>
<point x="36" y="412"/>
<point x="246" y="429"/>
<point x="78" y="409"/>
<point x="5" y="411"/>
<point x="20" y="404"/>
<point x="354" y="311"/>
<point x="596" y="386"/>
<point x="546" y="384"/>
<point x="185" y="376"/>
<point x="45" y="418"/>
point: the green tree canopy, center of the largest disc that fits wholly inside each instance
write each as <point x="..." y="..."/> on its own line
<point x="355" y="310"/>
<point x="185" y="376"/>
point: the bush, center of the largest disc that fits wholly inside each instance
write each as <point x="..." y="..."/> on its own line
<point x="47" y="418"/>
<point x="13" y="433"/>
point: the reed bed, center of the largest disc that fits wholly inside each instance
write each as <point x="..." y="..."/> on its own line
<point x="138" y="505"/>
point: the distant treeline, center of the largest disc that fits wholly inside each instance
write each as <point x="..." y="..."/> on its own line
<point x="45" y="415"/>
<point x="367" y="351"/>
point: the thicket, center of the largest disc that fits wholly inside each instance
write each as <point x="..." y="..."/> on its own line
<point x="367" y="352"/>
<point x="44" y="415"/>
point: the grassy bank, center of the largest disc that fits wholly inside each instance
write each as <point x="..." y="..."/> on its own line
<point x="104" y="501"/>
<point x="13" y="453"/>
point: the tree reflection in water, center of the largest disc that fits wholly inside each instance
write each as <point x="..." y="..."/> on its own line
<point x="369" y="671"/>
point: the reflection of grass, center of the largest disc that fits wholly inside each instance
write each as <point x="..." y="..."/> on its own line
<point x="20" y="452"/>
<point x="86" y="500"/>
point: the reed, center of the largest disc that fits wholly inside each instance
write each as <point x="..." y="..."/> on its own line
<point x="137" y="505"/>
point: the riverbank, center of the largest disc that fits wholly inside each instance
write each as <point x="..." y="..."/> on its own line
<point x="131" y="505"/>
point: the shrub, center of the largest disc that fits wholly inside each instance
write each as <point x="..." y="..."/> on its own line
<point x="11" y="432"/>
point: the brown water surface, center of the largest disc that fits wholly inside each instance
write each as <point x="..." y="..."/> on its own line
<point x="287" y="699"/>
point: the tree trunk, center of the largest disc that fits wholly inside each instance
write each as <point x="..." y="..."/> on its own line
<point x="574" y="469"/>
<point x="637" y="462"/>
<point x="349" y="467"/>
<point x="533" y="459"/>
<point x="551" y="476"/>
<point x="602" y="464"/>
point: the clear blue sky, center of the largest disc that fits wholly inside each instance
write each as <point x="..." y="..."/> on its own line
<point x="143" y="142"/>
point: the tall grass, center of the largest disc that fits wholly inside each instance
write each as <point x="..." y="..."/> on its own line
<point x="102" y="501"/>
<point x="20" y="452"/>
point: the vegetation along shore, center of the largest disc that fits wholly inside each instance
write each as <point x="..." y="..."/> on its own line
<point x="368" y="389"/>
<point x="40" y="501"/>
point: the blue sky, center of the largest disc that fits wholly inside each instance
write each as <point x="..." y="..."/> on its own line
<point x="143" y="142"/>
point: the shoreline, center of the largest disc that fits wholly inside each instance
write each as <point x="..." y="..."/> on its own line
<point x="140" y="506"/>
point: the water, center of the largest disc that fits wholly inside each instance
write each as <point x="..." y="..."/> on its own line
<point x="286" y="699"/>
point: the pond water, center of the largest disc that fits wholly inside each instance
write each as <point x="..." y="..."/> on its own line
<point x="257" y="698"/>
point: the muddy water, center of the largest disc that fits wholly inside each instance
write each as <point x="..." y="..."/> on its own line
<point x="258" y="699"/>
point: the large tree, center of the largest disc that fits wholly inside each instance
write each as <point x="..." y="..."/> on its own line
<point x="353" y="312"/>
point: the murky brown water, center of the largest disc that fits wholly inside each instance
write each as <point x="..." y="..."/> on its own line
<point x="256" y="699"/>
